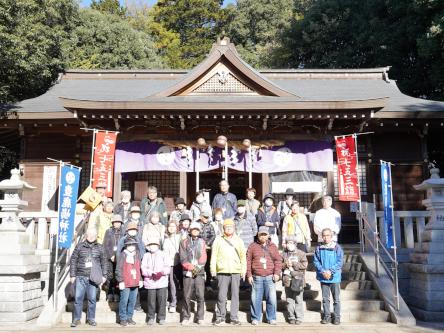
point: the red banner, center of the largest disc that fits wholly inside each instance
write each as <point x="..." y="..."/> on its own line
<point x="103" y="165"/>
<point x="348" y="180"/>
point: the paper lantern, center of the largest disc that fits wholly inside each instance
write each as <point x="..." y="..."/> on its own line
<point x="246" y="143"/>
<point x="221" y="141"/>
<point x="201" y="143"/>
<point x="183" y="152"/>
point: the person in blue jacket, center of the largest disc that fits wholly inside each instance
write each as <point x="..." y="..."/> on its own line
<point x="328" y="261"/>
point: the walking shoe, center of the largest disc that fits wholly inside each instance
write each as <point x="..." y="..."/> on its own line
<point x="292" y="321"/>
<point x="150" y="322"/>
<point x="172" y="309"/>
<point x="185" y="322"/>
<point x="273" y="322"/>
<point x="91" y="322"/>
<point x="200" y="322"/>
<point x="123" y="323"/>
<point x="336" y="322"/>
<point x="75" y="323"/>
<point x="325" y="321"/>
<point x="116" y="298"/>
<point x="162" y="322"/>
<point x="235" y="322"/>
<point x="131" y="321"/>
<point x="138" y="309"/>
<point x="298" y="322"/>
<point x="218" y="322"/>
<point x="254" y="322"/>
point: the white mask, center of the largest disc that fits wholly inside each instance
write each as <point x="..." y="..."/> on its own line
<point x="199" y="200"/>
<point x="241" y="210"/>
<point x="291" y="247"/>
<point x="132" y="232"/>
<point x="135" y="216"/>
<point x="218" y="217"/>
<point x="131" y="248"/>
<point x="268" y="202"/>
<point x="153" y="248"/>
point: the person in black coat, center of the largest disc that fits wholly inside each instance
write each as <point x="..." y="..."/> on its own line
<point x="267" y="216"/>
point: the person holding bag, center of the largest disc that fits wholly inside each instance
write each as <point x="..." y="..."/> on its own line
<point x="130" y="280"/>
<point x="296" y="224"/>
<point x="293" y="278"/>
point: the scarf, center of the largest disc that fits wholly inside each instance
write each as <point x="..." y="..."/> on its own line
<point x="130" y="256"/>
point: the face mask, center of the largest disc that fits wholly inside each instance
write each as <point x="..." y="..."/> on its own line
<point x="291" y="247"/>
<point x="90" y="242"/>
<point x="241" y="210"/>
<point x="153" y="248"/>
<point x="268" y="203"/>
<point x="218" y="217"/>
<point x="131" y="248"/>
<point x="199" y="200"/>
<point x="135" y="216"/>
<point x="155" y="220"/>
<point x="132" y="232"/>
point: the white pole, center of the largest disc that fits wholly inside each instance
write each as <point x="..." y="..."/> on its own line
<point x="56" y="273"/>
<point x="226" y="161"/>
<point x="250" y="168"/>
<point x="357" y="172"/>
<point x="197" y="168"/>
<point x="92" y="157"/>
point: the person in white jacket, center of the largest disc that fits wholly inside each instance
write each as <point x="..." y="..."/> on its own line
<point x="327" y="217"/>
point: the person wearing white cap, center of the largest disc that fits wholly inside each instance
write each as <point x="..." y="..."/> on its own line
<point x="155" y="270"/>
<point x="193" y="257"/>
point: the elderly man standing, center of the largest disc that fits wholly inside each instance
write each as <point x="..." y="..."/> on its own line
<point x="124" y="205"/>
<point x="88" y="271"/>
<point x="328" y="259"/>
<point x="228" y="264"/>
<point x="225" y="200"/>
<point x="264" y="264"/>
<point x="152" y="204"/>
<point x="327" y="217"/>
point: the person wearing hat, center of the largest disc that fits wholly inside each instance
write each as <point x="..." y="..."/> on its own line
<point x="101" y="191"/>
<point x="208" y="234"/>
<point x="135" y="216"/>
<point x="284" y="206"/>
<point x="110" y="241"/>
<point x="296" y="224"/>
<point x="198" y="206"/>
<point x="129" y="278"/>
<point x="245" y="223"/>
<point x="228" y="264"/>
<point x="181" y="208"/>
<point x="225" y="200"/>
<point x="103" y="220"/>
<point x="184" y="225"/>
<point x="267" y="216"/>
<point x="264" y="264"/>
<point x="193" y="257"/>
<point x="152" y="203"/>
<point x="155" y="270"/>
<point x="171" y="246"/>
<point x="154" y="229"/>
<point x="294" y="264"/>
<point x="123" y="208"/>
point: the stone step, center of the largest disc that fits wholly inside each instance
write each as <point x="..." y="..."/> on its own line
<point x="347" y="294"/>
<point x="173" y="319"/>
<point x="353" y="285"/>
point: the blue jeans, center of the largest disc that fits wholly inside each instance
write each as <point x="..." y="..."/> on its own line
<point x="84" y="286"/>
<point x="334" y="288"/>
<point x="128" y="297"/>
<point x="263" y="285"/>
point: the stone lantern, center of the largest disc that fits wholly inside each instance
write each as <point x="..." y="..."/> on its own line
<point x="426" y="292"/>
<point x="20" y="267"/>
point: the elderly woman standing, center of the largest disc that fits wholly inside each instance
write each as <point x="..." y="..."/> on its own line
<point x="171" y="248"/>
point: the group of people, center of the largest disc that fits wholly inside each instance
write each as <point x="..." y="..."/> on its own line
<point x="242" y="244"/>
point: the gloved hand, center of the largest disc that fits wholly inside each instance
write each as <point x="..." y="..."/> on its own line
<point x="122" y="285"/>
<point x="156" y="276"/>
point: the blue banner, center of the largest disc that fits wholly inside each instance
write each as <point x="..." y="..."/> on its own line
<point x="68" y="190"/>
<point x="386" y="182"/>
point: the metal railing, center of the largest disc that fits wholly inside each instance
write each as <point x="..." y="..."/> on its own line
<point x="365" y="230"/>
<point x="62" y="264"/>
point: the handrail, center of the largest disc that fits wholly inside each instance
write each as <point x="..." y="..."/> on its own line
<point x="376" y="244"/>
<point x="62" y="265"/>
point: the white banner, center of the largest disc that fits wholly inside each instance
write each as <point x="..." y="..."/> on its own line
<point x="49" y="187"/>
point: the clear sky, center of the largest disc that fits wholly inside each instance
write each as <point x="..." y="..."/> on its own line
<point x="85" y="3"/>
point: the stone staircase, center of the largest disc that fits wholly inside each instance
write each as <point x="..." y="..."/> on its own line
<point x="360" y="302"/>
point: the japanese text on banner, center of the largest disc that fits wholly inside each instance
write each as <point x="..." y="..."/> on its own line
<point x="103" y="167"/>
<point x="386" y="182"/>
<point x="347" y="169"/>
<point x="69" y="187"/>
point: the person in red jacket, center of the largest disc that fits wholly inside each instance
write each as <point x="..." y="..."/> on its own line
<point x="264" y="265"/>
<point x="129" y="277"/>
<point x="193" y="256"/>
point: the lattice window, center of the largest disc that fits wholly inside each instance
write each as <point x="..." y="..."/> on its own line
<point x="167" y="182"/>
<point x="223" y="83"/>
<point x="362" y="173"/>
<point x="304" y="199"/>
<point x="84" y="175"/>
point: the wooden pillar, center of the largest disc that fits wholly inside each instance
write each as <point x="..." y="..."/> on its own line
<point x="183" y="185"/>
<point x="265" y="185"/>
<point x="117" y="186"/>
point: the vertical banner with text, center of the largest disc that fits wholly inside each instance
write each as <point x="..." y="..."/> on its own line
<point x="68" y="190"/>
<point x="103" y="160"/>
<point x="347" y="161"/>
<point x="386" y="182"/>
